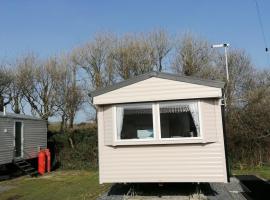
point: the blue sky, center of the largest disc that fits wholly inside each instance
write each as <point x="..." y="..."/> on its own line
<point x="51" y="27"/>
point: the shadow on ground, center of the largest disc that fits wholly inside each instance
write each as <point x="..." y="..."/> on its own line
<point x="258" y="188"/>
<point x="9" y="171"/>
<point x="144" y="190"/>
<point x="240" y="188"/>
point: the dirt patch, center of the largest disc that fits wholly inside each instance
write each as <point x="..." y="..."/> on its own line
<point x="5" y="188"/>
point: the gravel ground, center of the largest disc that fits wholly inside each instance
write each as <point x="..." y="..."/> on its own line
<point x="177" y="191"/>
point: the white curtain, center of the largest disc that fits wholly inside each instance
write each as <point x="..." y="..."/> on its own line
<point x="119" y="120"/>
<point x="193" y="107"/>
<point x="174" y="108"/>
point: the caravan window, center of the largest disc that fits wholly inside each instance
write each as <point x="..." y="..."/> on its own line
<point x="159" y="120"/>
<point x="179" y="119"/>
<point x="134" y="122"/>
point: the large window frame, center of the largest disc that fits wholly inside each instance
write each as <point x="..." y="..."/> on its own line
<point x="157" y="124"/>
<point x="180" y="138"/>
<point x="134" y="139"/>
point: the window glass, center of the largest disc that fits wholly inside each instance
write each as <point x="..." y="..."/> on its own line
<point x="134" y="122"/>
<point x="179" y="119"/>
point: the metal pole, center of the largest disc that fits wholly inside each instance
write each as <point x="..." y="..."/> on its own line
<point x="223" y="110"/>
<point x="226" y="60"/>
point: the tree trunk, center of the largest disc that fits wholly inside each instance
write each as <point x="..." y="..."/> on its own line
<point x="1" y="103"/>
<point x="63" y="124"/>
<point x="71" y="142"/>
<point x="72" y="113"/>
<point x="16" y="106"/>
<point x="160" y="65"/>
<point x="71" y="121"/>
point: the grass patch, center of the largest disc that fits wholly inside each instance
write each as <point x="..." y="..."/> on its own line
<point x="70" y="184"/>
<point x="263" y="172"/>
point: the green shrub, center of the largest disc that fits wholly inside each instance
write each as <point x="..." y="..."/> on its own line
<point x="76" y="149"/>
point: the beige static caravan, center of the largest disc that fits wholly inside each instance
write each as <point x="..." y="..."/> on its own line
<point x="159" y="127"/>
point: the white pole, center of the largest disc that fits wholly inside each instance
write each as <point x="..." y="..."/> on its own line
<point x="226" y="60"/>
<point x="225" y="45"/>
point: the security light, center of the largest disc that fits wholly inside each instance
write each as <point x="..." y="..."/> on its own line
<point x="220" y="45"/>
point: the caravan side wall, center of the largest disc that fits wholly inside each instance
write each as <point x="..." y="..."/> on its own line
<point x="34" y="137"/>
<point x="193" y="162"/>
<point x="6" y="140"/>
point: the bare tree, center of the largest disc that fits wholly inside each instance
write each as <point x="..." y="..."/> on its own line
<point x="161" y="44"/>
<point x="241" y="73"/>
<point x="17" y="102"/>
<point x="5" y="82"/>
<point x="70" y="94"/>
<point x="93" y="58"/>
<point x="37" y="81"/>
<point x="132" y="56"/>
<point x="194" y="56"/>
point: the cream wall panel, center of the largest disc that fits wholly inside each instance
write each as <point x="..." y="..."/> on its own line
<point x="209" y="119"/>
<point x="155" y="89"/>
<point x="108" y="125"/>
<point x="162" y="163"/>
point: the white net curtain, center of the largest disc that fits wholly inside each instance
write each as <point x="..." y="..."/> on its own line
<point x="180" y="107"/>
<point x="119" y="120"/>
